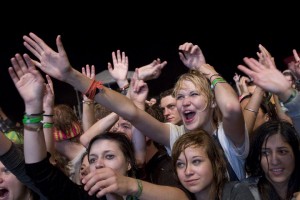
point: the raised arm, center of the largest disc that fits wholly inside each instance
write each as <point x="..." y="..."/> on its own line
<point x="57" y="65"/>
<point x="48" y="106"/>
<point x="30" y="85"/>
<point x="271" y="79"/>
<point x="226" y="98"/>
<point x="88" y="116"/>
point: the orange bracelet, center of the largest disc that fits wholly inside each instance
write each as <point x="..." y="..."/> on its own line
<point x="95" y="87"/>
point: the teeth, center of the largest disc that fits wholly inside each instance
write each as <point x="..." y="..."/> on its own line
<point x="277" y="170"/>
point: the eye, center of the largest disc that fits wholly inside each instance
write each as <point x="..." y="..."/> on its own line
<point x="109" y="156"/>
<point x="283" y="152"/>
<point x="179" y="97"/>
<point x="265" y="153"/>
<point x="196" y="162"/>
<point x="127" y="126"/>
<point x="6" y="171"/>
<point x="171" y="107"/>
<point x="92" y="160"/>
<point x="180" y="165"/>
<point x="194" y="94"/>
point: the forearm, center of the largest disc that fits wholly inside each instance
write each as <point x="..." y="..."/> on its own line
<point x="99" y="127"/>
<point x="34" y="141"/>
<point x="139" y="144"/>
<point x="153" y="191"/>
<point x="251" y="108"/>
<point x="88" y="116"/>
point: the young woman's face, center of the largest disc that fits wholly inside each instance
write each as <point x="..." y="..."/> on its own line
<point x="192" y="106"/>
<point x="107" y="153"/>
<point x="10" y="187"/>
<point x="277" y="161"/>
<point x="194" y="170"/>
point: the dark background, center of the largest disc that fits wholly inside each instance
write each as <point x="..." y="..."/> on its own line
<point x="91" y="32"/>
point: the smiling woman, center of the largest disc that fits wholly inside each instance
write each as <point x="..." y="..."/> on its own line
<point x="274" y="160"/>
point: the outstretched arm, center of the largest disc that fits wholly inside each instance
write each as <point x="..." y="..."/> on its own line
<point x="226" y="98"/>
<point x="111" y="182"/>
<point x="57" y="65"/>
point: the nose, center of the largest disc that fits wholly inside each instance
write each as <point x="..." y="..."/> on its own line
<point x="186" y="101"/>
<point x="188" y="170"/>
<point x="274" y="159"/>
<point x="166" y="112"/>
<point x="99" y="164"/>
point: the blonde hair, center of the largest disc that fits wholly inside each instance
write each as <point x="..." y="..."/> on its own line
<point x="203" y="86"/>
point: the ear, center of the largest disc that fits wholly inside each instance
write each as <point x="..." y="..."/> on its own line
<point x="267" y="117"/>
<point x="129" y="166"/>
<point x="214" y="104"/>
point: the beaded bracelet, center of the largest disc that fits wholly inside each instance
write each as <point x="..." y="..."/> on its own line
<point x="88" y="102"/>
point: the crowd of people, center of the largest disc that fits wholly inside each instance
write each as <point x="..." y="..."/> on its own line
<point x="202" y="139"/>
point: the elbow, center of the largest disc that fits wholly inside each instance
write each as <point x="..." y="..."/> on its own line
<point x="232" y="108"/>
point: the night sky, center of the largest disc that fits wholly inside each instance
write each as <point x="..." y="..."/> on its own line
<point x="90" y="37"/>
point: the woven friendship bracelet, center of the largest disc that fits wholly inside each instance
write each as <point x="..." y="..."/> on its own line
<point x="94" y="89"/>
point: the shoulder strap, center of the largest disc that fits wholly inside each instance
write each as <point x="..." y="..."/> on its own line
<point x="231" y="173"/>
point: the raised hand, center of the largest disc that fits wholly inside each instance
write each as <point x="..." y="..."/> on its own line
<point x="295" y="66"/>
<point x="151" y="71"/>
<point x="191" y="56"/>
<point x="138" y="91"/>
<point x="105" y="180"/>
<point x="119" y="69"/>
<point x="236" y="77"/>
<point x="268" y="77"/>
<point x="28" y="80"/>
<point x="89" y="71"/>
<point x="55" y="64"/>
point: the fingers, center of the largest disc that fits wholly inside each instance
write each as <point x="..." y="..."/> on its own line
<point x="18" y="71"/>
<point x="59" y="44"/>
<point x="50" y="83"/>
<point x="13" y="75"/>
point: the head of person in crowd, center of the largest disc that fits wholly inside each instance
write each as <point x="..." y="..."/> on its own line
<point x="85" y="166"/>
<point x="266" y="112"/>
<point x="10" y="186"/>
<point x="193" y="88"/>
<point x="290" y="76"/>
<point x="123" y="126"/>
<point x="199" y="164"/>
<point x="100" y="111"/>
<point x="113" y="150"/>
<point x="66" y="124"/>
<point x="168" y="105"/>
<point x="274" y="157"/>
